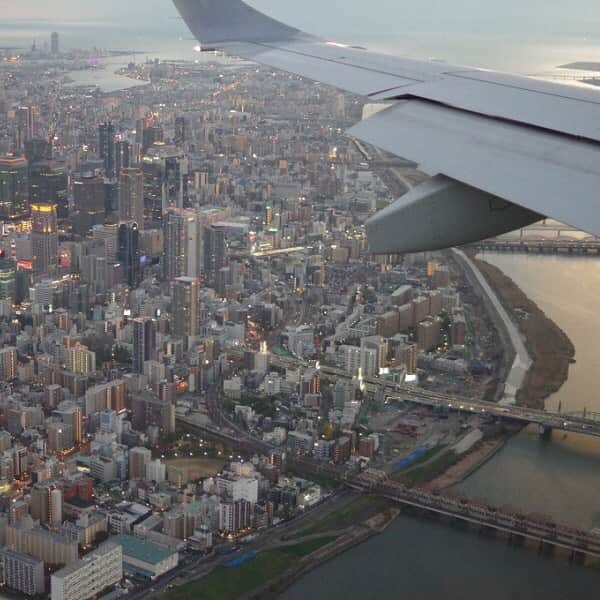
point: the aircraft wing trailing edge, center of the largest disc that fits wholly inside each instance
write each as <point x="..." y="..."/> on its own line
<point x="503" y="151"/>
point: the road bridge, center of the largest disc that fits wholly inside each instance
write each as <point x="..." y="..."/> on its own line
<point x="547" y="421"/>
<point x="580" y="544"/>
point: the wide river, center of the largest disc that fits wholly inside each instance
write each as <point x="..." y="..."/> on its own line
<point x="423" y="560"/>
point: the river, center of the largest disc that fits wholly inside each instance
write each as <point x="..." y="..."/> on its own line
<point x="559" y="477"/>
<point x="418" y="559"/>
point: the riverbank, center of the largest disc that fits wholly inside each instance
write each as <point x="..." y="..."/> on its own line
<point x="283" y="561"/>
<point x="550" y="348"/>
<point x="354" y="536"/>
<point x="468" y="464"/>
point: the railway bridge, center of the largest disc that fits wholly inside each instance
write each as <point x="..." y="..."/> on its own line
<point x="580" y="545"/>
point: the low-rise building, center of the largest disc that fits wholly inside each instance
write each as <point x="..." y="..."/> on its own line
<point x="144" y="558"/>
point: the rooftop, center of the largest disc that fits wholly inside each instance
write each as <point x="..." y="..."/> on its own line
<point x="141" y="549"/>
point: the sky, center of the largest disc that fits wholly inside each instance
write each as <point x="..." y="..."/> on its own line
<point x="388" y="16"/>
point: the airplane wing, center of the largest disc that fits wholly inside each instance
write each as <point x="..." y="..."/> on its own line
<point x="503" y="151"/>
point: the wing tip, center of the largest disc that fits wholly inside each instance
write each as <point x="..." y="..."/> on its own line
<point x="215" y="22"/>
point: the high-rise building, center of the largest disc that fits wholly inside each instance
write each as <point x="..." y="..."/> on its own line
<point x="129" y="252"/>
<point x="23" y="573"/>
<point x="138" y="459"/>
<point x="54" y="547"/>
<point x="428" y="334"/>
<point x="89" y="196"/>
<point x="88" y="577"/>
<point x="109" y="233"/>
<point x="44" y="237"/>
<point x="122" y="156"/>
<point x="59" y="437"/>
<point x="106" y="147"/>
<point x="215" y="251"/>
<point x="79" y="359"/>
<point x="144" y="342"/>
<point x="151" y="135"/>
<point x="8" y="279"/>
<point x="70" y="413"/>
<point x="46" y="504"/>
<point x="180" y="131"/>
<point x="235" y="516"/>
<point x="182" y="234"/>
<point x="131" y="196"/>
<point x="185" y="306"/>
<point x="165" y="179"/>
<point x="38" y="150"/>
<point x="49" y="184"/>
<point x="14" y="186"/>
<point x="25" y="126"/>
<point x="54" y="43"/>
<point x="8" y="364"/>
<point x="148" y="409"/>
<point x="106" y="396"/>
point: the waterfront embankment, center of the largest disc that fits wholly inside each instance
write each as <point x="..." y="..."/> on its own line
<point x="550" y="348"/>
<point x="508" y="331"/>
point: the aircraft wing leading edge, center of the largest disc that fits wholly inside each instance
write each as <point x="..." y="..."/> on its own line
<point x="504" y="151"/>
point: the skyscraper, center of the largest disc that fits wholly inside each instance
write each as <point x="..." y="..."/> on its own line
<point x="185" y="306"/>
<point x="129" y="252"/>
<point x="122" y="158"/>
<point x="174" y="244"/>
<point x="44" y="237"/>
<point x="106" y="147"/>
<point x="180" y="131"/>
<point x="14" y="186"/>
<point x="131" y="196"/>
<point x="25" y="126"/>
<point x="215" y="252"/>
<point x="166" y="179"/>
<point x="151" y="135"/>
<point x="182" y="232"/>
<point x="38" y="150"/>
<point x="144" y="342"/>
<point x="89" y="196"/>
<point x="54" y="43"/>
<point x="49" y="184"/>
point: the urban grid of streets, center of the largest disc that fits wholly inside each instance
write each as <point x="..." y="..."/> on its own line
<point x="187" y="254"/>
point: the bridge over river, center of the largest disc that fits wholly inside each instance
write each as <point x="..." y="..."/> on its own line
<point x="547" y="421"/>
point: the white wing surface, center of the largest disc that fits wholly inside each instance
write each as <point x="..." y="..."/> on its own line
<point x="504" y="150"/>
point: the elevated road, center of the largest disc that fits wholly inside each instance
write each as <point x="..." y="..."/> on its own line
<point x="546" y="420"/>
<point x="539" y="529"/>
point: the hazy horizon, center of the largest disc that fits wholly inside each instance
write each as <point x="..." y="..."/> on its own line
<point x="526" y="37"/>
<point x="581" y="17"/>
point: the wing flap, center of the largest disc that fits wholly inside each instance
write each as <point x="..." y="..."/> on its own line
<point x="541" y="171"/>
<point x="561" y="108"/>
